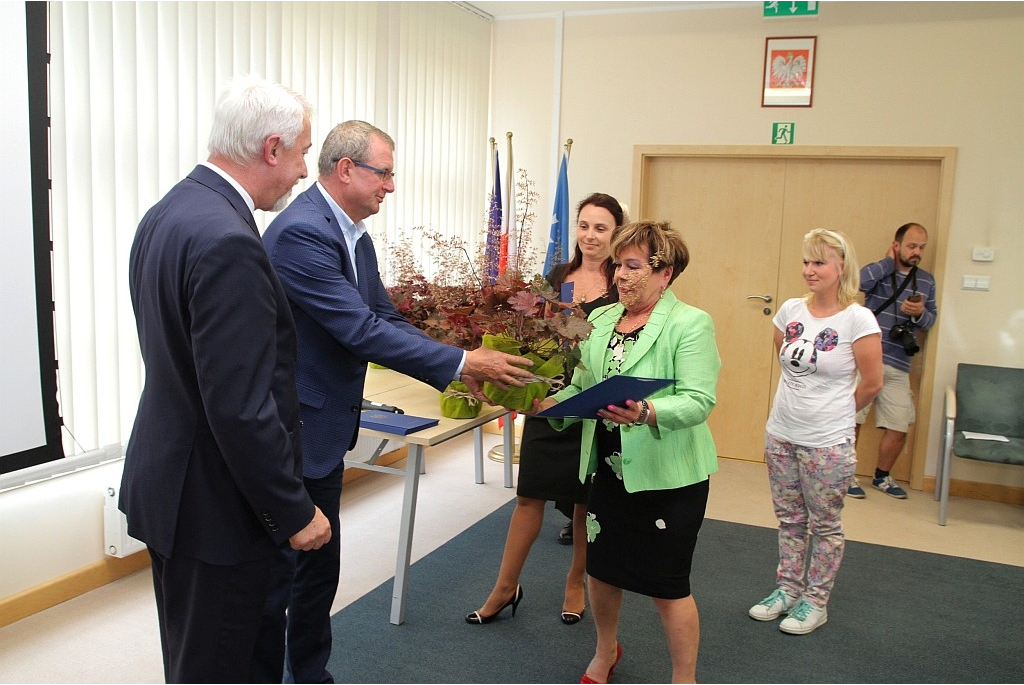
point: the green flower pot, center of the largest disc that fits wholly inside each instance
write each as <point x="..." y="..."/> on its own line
<point x="458" y="403"/>
<point x="521" y="399"/>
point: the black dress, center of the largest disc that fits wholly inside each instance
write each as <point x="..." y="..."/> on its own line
<point x="639" y="541"/>
<point x="549" y="460"/>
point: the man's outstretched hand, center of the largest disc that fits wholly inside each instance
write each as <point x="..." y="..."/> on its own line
<point x="499" y="368"/>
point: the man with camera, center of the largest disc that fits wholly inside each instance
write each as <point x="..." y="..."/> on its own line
<point x="902" y="296"/>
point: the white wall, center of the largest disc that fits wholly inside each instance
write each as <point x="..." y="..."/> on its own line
<point x="888" y="74"/>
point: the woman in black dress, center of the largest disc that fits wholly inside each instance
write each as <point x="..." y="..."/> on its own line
<point x="549" y="459"/>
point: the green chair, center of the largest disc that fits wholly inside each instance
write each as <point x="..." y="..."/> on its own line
<point x="987" y="400"/>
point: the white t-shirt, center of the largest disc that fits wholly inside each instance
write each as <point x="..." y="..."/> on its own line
<point x="814" y="405"/>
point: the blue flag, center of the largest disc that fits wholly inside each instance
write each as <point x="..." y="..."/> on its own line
<point x="558" y="247"/>
<point x="491" y="254"/>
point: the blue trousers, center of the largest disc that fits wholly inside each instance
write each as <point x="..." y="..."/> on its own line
<point x="303" y="596"/>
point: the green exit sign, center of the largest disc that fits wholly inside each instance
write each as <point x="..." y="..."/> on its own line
<point x="790" y="9"/>
<point x="783" y="133"/>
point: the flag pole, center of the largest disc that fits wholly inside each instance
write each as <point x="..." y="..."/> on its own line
<point x="494" y="145"/>
<point x="568" y="147"/>
<point x="511" y="167"/>
<point x="512" y="236"/>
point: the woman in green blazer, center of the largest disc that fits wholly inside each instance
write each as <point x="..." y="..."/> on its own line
<point x="649" y="459"/>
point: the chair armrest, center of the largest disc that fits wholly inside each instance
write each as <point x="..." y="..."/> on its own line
<point x="950" y="402"/>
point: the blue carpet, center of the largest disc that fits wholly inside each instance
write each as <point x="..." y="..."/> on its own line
<point x="895" y="616"/>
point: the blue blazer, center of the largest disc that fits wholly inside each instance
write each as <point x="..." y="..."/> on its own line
<point x="341" y="327"/>
<point x="214" y="465"/>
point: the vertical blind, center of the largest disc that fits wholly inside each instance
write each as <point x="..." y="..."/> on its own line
<point x="132" y="92"/>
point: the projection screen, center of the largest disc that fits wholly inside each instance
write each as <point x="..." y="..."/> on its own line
<point x="29" y="421"/>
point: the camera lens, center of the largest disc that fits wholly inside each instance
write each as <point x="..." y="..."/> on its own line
<point x="904" y="335"/>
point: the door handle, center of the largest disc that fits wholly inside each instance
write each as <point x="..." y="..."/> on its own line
<point x="766" y="298"/>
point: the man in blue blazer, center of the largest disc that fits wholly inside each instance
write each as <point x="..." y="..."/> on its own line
<point x="345" y="319"/>
<point x="212" y="479"/>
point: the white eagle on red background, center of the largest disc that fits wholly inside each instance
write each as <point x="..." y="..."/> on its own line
<point x="789" y="71"/>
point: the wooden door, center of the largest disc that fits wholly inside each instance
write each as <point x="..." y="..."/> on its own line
<point x="729" y="212"/>
<point x="744" y="216"/>
<point x="868" y="200"/>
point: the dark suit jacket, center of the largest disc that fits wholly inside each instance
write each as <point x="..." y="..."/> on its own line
<point x="214" y="464"/>
<point x="341" y="327"/>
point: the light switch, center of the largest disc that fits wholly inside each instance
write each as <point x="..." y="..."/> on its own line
<point x="982" y="283"/>
<point x="970" y="282"/>
<point x="983" y="254"/>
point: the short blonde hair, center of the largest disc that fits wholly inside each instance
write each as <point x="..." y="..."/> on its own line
<point x="817" y="244"/>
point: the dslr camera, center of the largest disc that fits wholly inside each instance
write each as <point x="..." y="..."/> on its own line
<point x="904" y="334"/>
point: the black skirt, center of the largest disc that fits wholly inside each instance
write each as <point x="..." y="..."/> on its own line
<point x="641" y="541"/>
<point x="549" y="463"/>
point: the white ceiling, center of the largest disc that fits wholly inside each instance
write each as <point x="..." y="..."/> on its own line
<point x="518" y="8"/>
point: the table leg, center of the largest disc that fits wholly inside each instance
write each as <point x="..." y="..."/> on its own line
<point x="508" y="433"/>
<point x="478" y="453"/>
<point x="412" y="480"/>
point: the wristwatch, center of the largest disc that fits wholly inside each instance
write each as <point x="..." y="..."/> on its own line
<point x="644" y="413"/>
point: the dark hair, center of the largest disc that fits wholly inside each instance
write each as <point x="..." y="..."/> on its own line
<point x="902" y="231"/>
<point x="664" y="245"/>
<point x="613" y="207"/>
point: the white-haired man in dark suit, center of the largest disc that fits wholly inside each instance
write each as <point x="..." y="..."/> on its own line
<point x="212" y="478"/>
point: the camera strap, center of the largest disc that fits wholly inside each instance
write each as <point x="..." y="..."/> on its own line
<point x="896" y="293"/>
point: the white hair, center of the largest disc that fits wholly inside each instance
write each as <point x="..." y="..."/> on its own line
<point x="251" y="109"/>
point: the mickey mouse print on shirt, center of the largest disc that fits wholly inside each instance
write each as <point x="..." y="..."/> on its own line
<point x="799" y="355"/>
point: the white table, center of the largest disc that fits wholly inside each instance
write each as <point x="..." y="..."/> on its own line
<point x="419" y="399"/>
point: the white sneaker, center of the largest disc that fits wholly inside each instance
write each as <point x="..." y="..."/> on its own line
<point x="856" y="491"/>
<point x="803" y="618"/>
<point x="772" y="606"/>
<point x="889" y="487"/>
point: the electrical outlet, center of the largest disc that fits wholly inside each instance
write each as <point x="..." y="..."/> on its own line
<point x="983" y="254"/>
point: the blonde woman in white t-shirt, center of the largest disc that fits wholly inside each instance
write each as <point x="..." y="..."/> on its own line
<point x="830" y="351"/>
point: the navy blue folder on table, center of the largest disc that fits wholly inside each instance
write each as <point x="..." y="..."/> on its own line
<point x="399" y="424"/>
<point x="613" y="390"/>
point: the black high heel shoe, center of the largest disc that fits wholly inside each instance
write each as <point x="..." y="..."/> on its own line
<point x="571" y="617"/>
<point x="477" y="618"/>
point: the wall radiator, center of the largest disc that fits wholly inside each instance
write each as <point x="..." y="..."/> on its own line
<point x="117" y="542"/>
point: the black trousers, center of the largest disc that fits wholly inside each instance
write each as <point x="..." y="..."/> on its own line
<point x="213" y="622"/>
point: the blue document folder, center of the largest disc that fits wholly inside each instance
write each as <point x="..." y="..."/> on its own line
<point x="567" y="291"/>
<point x="399" y="424"/>
<point x="614" y="390"/>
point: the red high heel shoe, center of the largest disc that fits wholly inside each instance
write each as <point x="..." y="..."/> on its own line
<point x="618" y="655"/>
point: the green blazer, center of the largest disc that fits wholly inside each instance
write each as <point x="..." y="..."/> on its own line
<point x="678" y="342"/>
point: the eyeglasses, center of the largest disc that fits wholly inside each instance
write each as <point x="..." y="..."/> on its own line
<point x="384" y="174"/>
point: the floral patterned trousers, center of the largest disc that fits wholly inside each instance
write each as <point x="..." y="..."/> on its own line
<point x="808" y="486"/>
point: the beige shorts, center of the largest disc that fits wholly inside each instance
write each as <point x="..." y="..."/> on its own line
<point x="894" y="406"/>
